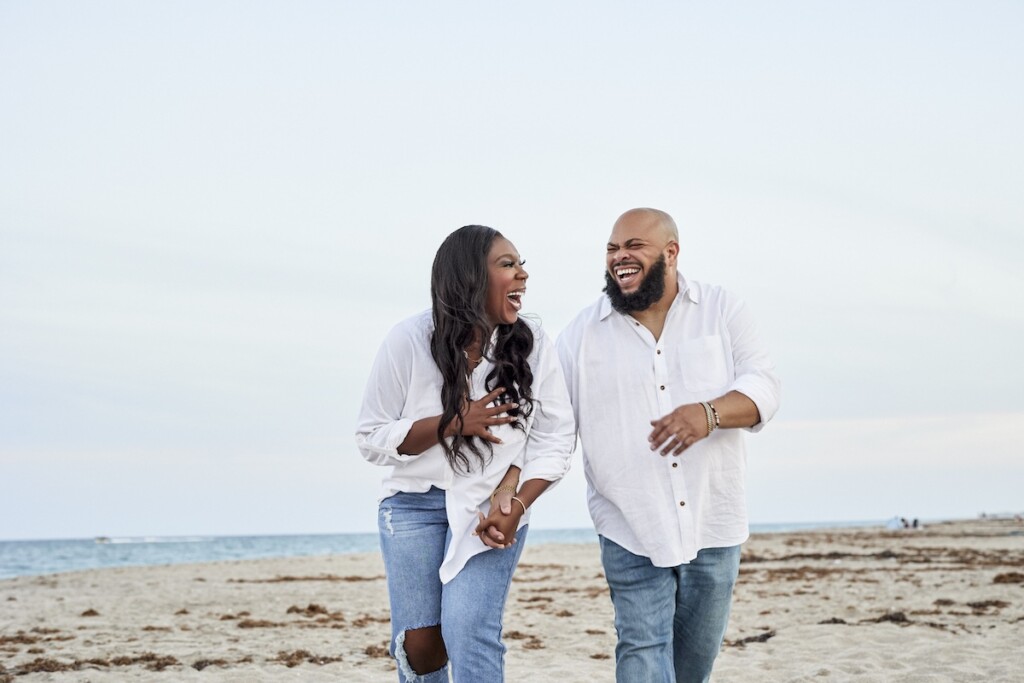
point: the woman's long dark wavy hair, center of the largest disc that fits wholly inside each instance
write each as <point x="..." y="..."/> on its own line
<point x="458" y="291"/>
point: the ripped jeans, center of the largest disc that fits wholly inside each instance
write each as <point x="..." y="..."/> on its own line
<point x="413" y="538"/>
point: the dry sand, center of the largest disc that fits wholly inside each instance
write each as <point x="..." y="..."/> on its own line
<point x="945" y="603"/>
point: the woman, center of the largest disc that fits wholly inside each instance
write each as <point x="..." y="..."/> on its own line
<point x="461" y="399"/>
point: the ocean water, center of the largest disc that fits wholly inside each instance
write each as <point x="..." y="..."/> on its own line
<point x="34" y="558"/>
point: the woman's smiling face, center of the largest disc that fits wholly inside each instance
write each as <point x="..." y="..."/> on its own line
<point x="506" y="283"/>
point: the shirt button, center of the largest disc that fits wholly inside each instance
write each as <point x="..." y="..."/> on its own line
<point x="659" y="352"/>
<point x="682" y="503"/>
<point x="663" y="387"/>
<point x="675" y="464"/>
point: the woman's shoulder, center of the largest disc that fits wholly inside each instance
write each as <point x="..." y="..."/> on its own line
<point x="543" y="344"/>
<point x="536" y="328"/>
<point x="533" y="323"/>
<point x="413" y="331"/>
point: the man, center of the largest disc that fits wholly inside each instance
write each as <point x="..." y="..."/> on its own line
<point x="663" y="373"/>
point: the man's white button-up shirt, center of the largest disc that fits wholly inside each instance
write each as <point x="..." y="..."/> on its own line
<point x="621" y="378"/>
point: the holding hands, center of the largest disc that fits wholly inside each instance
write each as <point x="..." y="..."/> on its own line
<point x="498" y="529"/>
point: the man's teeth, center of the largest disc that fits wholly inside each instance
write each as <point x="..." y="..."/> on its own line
<point x="626" y="272"/>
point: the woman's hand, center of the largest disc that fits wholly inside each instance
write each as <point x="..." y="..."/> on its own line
<point x="478" y="415"/>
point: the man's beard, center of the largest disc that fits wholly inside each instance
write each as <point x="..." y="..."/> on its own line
<point x="651" y="289"/>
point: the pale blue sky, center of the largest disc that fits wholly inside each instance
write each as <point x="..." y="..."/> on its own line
<point x="212" y="212"/>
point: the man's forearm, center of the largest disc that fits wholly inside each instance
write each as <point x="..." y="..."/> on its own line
<point x="736" y="410"/>
<point x="531" y="490"/>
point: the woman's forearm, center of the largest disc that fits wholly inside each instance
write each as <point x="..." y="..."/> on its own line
<point x="421" y="436"/>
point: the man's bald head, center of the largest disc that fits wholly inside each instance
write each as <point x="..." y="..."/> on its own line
<point x="643" y="251"/>
<point x="652" y="219"/>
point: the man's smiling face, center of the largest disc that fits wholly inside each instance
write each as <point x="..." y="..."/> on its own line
<point x="641" y="257"/>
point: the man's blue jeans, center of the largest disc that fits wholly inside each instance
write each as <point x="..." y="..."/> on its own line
<point x="413" y="538"/>
<point x="670" y="621"/>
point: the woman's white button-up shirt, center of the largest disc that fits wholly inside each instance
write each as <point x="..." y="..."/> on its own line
<point x="405" y="386"/>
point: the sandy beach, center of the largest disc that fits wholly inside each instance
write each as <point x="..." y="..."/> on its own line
<point x="944" y="603"/>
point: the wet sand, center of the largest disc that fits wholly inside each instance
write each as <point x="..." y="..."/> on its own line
<point x="945" y="603"/>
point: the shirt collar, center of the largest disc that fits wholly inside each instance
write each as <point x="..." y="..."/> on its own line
<point x="685" y="290"/>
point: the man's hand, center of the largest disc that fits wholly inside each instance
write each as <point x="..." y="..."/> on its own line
<point x="679" y="430"/>
<point x="478" y="415"/>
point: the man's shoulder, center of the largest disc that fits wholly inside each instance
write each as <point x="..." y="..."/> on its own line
<point x="592" y="313"/>
<point x="710" y="293"/>
<point x="702" y="289"/>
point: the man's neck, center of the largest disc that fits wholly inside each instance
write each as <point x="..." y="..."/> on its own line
<point x="653" y="317"/>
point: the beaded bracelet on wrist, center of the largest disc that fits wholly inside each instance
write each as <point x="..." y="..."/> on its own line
<point x="711" y="415"/>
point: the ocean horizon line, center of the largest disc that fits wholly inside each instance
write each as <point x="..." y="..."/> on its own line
<point x="755" y="527"/>
<point x="38" y="557"/>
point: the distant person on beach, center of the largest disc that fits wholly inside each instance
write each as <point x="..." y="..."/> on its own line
<point x="462" y="401"/>
<point x="663" y="372"/>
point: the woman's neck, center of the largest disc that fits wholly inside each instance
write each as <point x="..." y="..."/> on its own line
<point x="474" y="353"/>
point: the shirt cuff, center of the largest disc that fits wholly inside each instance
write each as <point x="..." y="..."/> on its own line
<point x="765" y="395"/>
<point x="380" y="446"/>
<point x="549" y="468"/>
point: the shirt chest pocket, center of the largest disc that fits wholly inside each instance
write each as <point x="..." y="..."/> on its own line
<point x="702" y="364"/>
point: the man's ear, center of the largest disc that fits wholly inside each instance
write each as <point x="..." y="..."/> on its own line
<point x="672" y="253"/>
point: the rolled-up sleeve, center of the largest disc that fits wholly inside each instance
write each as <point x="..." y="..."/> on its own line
<point x="754" y="370"/>
<point x="380" y="428"/>
<point x="553" y="432"/>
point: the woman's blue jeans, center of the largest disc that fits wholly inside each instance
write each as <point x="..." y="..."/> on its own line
<point x="413" y="538"/>
<point x="670" y="621"/>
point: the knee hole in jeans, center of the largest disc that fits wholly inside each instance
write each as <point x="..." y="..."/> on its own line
<point x="420" y="651"/>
